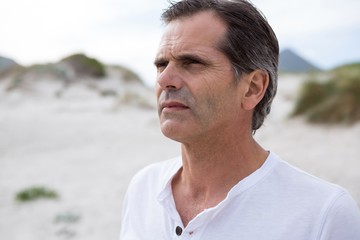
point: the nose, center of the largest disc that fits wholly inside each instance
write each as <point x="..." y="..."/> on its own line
<point x="169" y="79"/>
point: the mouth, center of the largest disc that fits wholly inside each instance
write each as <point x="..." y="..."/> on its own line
<point x="169" y="106"/>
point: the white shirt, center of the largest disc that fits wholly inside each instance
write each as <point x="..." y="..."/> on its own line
<point x="276" y="202"/>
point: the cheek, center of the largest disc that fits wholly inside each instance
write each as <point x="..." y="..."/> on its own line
<point x="209" y="106"/>
<point x="220" y="100"/>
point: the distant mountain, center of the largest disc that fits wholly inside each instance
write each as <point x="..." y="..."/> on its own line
<point x="292" y="62"/>
<point x="6" y="63"/>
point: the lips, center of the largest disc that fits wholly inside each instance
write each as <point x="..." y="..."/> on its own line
<point x="173" y="106"/>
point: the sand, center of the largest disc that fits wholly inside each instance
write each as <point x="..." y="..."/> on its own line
<point x="87" y="148"/>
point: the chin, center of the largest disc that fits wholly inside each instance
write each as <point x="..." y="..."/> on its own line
<point x="172" y="132"/>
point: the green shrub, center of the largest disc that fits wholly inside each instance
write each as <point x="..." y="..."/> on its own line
<point x="85" y="66"/>
<point x="312" y="93"/>
<point x="336" y="100"/>
<point x="67" y="217"/>
<point x="347" y="71"/>
<point x="34" y="193"/>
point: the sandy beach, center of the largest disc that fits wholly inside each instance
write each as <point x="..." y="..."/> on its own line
<point x="87" y="148"/>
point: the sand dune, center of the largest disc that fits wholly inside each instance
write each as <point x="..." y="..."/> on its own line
<point x="88" y="148"/>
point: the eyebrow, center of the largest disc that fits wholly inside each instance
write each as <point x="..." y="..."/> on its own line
<point x="181" y="57"/>
<point x="189" y="56"/>
<point x="158" y="61"/>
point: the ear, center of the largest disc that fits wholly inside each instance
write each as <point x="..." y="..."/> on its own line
<point x="257" y="83"/>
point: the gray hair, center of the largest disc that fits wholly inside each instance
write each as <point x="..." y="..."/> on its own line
<point x="250" y="43"/>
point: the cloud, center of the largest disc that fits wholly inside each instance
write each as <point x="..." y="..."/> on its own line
<point x="127" y="32"/>
<point x="326" y="32"/>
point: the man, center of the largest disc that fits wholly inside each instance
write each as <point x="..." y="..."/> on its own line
<point x="216" y="78"/>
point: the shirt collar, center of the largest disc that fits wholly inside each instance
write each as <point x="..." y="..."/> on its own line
<point x="165" y="195"/>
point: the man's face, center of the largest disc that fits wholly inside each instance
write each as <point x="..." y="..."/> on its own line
<point x="196" y="90"/>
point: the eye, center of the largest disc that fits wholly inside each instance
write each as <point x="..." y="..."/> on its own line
<point x="161" y="65"/>
<point x="190" y="61"/>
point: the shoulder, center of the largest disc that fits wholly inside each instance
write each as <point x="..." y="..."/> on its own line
<point x="302" y="188"/>
<point x="341" y="219"/>
<point x="141" y="206"/>
<point x="156" y="174"/>
<point x="333" y="211"/>
<point x="148" y="183"/>
<point x="290" y="176"/>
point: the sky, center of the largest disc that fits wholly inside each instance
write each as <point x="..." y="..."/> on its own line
<point x="124" y="32"/>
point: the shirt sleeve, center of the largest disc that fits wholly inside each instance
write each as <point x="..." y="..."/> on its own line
<point x="342" y="220"/>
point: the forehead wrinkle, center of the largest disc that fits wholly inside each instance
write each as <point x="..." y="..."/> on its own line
<point x="178" y="40"/>
<point x="184" y="50"/>
<point x="167" y="46"/>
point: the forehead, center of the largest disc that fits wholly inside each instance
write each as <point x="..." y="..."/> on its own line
<point x="199" y="33"/>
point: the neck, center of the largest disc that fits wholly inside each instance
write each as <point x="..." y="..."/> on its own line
<point x="219" y="165"/>
<point x="211" y="167"/>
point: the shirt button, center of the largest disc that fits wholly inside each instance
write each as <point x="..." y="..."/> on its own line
<point x="178" y="230"/>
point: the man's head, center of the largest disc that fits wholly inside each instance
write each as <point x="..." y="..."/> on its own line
<point x="249" y="42"/>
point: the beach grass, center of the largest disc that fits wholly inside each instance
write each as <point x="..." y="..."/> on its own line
<point x="34" y="193"/>
<point x="333" y="100"/>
